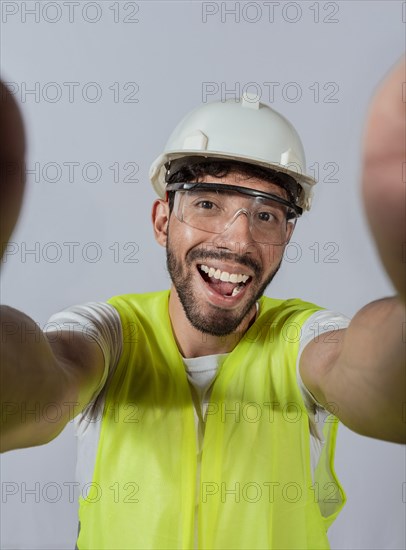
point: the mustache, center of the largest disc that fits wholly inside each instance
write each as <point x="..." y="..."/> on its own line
<point x="223" y="255"/>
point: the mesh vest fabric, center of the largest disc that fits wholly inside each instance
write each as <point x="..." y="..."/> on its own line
<point x="256" y="486"/>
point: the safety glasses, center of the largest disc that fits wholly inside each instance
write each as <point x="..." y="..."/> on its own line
<point x="214" y="207"/>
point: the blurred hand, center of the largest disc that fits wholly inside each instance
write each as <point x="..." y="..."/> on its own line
<point x="384" y="174"/>
<point x="12" y="169"/>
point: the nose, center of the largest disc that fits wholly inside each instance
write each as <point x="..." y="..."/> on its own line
<point x="237" y="232"/>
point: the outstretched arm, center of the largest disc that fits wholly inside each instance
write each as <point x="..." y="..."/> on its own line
<point x="362" y="377"/>
<point x="42" y="384"/>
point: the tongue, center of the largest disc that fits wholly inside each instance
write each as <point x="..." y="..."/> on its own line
<point x="221" y="287"/>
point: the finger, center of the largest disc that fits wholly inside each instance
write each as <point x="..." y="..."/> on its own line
<point x="12" y="170"/>
<point x="384" y="173"/>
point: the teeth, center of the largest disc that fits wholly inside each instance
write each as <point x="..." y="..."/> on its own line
<point x="236" y="290"/>
<point x="224" y="275"/>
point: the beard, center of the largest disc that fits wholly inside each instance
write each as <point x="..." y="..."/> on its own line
<point x="219" y="322"/>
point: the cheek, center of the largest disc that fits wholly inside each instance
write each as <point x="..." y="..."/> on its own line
<point x="270" y="255"/>
<point x="182" y="237"/>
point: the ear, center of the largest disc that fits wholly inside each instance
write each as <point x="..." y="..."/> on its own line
<point x="290" y="229"/>
<point x="160" y="220"/>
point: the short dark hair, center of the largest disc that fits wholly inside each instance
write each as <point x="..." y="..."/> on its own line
<point x="219" y="168"/>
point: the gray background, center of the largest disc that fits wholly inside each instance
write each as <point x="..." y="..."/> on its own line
<point x="170" y="51"/>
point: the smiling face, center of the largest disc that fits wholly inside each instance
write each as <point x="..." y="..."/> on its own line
<point x="218" y="277"/>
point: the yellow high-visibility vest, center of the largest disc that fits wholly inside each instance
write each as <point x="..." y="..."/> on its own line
<point x="256" y="485"/>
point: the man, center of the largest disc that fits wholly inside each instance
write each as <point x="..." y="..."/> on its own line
<point x="198" y="429"/>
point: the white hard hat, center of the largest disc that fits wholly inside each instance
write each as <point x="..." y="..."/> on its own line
<point x="246" y="131"/>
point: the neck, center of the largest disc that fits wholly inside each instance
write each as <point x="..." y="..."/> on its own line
<point x="193" y="343"/>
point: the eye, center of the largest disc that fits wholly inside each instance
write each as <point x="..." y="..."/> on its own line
<point x="267" y="217"/>
<point x="205" y="204"/>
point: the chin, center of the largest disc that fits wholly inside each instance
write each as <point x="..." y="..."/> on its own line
<point x="217" y="322"/>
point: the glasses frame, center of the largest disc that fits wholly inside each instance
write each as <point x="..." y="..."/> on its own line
<point x="190" y="186"/>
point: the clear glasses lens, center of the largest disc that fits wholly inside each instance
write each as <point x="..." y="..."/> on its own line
<point x="216" y="211"/>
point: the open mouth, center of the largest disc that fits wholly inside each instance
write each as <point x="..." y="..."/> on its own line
<point x="222" y="282"/>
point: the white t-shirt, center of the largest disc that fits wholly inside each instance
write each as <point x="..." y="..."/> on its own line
<point x="101" y="322"/>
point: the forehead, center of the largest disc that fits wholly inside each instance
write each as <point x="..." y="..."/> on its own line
<point x="242" y="180"/>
